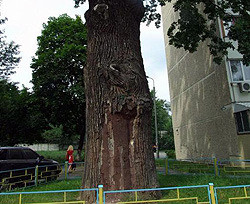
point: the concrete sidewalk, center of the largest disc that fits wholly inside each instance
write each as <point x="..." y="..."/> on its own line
<point x="162" y="155"/>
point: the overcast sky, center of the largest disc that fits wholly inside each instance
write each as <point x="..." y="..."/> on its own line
<point x="25" y="19"/>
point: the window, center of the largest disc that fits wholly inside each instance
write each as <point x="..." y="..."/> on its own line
<point x="242" y="121"/>
<point x="3" y="154"/>
<point x="15" y="154"/>
<point x="239" y="72"/>
<point x="226" y="26"/>
<point x="29" y="154"/>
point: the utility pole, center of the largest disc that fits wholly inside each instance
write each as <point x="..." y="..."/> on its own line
<point x="156" y="128"/>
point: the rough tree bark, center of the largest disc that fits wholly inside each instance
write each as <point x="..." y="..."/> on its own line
<point x="119" y="151"/>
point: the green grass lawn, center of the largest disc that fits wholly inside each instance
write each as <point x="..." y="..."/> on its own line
<point x="36" y="198"/>
<point x="164" y="181"/>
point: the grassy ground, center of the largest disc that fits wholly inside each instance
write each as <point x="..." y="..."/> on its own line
<point x="164" y="181"/>
<point x="190" y="180"/>
<point x="38" y="198"/>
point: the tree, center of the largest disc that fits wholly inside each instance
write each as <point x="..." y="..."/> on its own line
<point x="58" y="76"/>
<point x="119" y="151"/>
<point x="164" y="124"/>
<point x="8" y="54"/>
<point x="20" y="121"/>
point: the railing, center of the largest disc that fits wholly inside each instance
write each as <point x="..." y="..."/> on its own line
<point x="53" y="197"/>
<point x="43" y="174"/>
<point x="197" y="194"/>
<point x="206" y="166"/>
<point x="232" y="193"/>
<point x="172" y="195"/>
<point x="34" y="176"/>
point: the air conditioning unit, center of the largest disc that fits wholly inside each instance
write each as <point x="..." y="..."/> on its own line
<point x="244" y="86"/>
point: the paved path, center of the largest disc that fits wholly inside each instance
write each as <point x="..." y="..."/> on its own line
<point x="79" y="169"/>
<point x="162" y="155"/>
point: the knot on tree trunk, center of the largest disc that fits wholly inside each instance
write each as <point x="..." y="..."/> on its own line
<point x="130" y="106"/>
<point x="102" y="10"/>
<point x="123" y="78"/>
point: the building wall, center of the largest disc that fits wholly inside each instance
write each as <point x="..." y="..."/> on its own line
<point x="41" y="147"/>
<point x="199" y="89"/>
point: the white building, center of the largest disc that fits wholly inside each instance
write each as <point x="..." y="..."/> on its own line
<point x="210" y="103"/>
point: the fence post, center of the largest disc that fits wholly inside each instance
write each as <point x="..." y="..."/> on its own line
<point x="20" y="199"/>
<point x="100" y="188"/>
<point x="216" y="170"/>
<point x="66" y="170"/>
<point x="166" y="163"/>
<point x="211" y="189"/>
<point x="36" y="175"/>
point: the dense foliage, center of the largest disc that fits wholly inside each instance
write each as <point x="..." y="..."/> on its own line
<point x="55" y="110"/>
<point x="194" y="27"/>
<point x="20" y="120"/>
<point x="9" y="52"/>
<point x="164" y="124"/>
<point x="58" y="77"/>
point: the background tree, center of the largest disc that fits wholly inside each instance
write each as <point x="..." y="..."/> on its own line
<point x="58" y="76"/>
<point x="20" y="121"/>
<point x="8" y="54"/>
<point x="164" y="124"/>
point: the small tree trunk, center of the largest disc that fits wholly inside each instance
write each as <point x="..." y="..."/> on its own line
<point x="119" y="150"/>
<point x="80" y="144"/>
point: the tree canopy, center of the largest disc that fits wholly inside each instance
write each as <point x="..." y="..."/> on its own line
<point x="58" y="75"/>
<point x="9" y="52"/>
<point x="194" y="27"/>
<point x="21" y="121"/>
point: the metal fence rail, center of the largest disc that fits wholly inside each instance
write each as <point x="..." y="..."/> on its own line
<point x="137" y="199"/>
<point x="55" y="197"/>
<point x="22" y="178"/>
<point x="233" y="193"/>
<point x="27" y="177"/>
<point x="210" y="195"/>
<point x="206" y="166"/>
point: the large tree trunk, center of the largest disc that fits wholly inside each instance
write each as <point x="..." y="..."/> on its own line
<point x="119" y="150"/>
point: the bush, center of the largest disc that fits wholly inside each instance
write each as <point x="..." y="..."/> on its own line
<point x="171" y="154"/>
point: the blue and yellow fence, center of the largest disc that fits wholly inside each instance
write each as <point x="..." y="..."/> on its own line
<point x="206" y="166"/>
<point x="232" y="194"/>
<point x="34" y="176"/>
<point x="47" y="197"/>
<point x="28" y="176"/>
<point x="201" y="194"/>
<point x="43" y="174"/>
<point x="169" y="194"/>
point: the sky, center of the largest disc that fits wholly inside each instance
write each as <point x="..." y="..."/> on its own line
<point x="25" y="19"/>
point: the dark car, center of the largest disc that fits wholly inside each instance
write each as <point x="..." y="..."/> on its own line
<point x="18" y="166"/>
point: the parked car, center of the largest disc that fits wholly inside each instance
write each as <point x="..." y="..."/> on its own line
<point x="17" y="166"/>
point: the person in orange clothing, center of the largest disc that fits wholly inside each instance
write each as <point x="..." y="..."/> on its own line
<point x="70" y="157"/>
